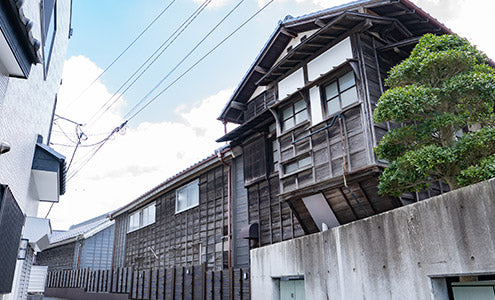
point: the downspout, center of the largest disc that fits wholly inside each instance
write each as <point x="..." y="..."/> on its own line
<point x="229" y="229"/>
<point x="78" y="252"/>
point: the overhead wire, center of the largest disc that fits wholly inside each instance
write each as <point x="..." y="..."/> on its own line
<point x="198" y="61"/>
<point x="122" y="126"/>
<point x="187" y="55"/>
<point x="116" y="96"/>
<point x="123" y="52"/>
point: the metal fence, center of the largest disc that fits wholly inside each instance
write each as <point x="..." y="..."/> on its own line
<point x="174" y="283"/>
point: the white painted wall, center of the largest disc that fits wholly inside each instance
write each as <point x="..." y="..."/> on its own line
<point x="295" y="41"/>
<point x="393" y="255"/>
<point x="27" y="107"/>
<point x="315" y="102"/>
<point x="329" y="59"/>
<point x="26" y="111"/>
<point x="290" y="84"/>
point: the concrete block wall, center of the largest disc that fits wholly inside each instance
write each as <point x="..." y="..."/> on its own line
<point x="401" y="254"/>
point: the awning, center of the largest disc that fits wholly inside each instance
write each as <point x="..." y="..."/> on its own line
<point x="48" y="173"/>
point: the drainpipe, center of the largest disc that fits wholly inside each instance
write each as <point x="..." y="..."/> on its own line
<point x="78" y="252"/>
<point x="229" y="229"/>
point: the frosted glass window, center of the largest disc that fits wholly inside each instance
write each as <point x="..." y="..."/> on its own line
<point x="349" y="97"/>
<point x="296" y="165"/>
<point x="294" y="114"/>
<point x="340" y="93"/>
<point x="143" y="217"/>
<point x="331" y="90"/>
<point x="346" y="81"/>
<point x="187" y="197"/>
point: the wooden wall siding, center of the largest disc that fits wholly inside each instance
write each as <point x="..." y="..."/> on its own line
<point x="259" y="104"/>
<point x="240" y="218"/>
<point x="376" y="67"/>
<point x="325" y="149"/>
<point x="57" y="258"/>
<point x="176" y="238"/>
<point x="255" y="160"/>
<point x="193" y="282"/>
<point x="275" y="218"/>
<point x="121" y="224"/>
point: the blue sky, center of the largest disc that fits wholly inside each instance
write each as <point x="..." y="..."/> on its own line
<point x="102" y="29"/>
<point x="179" y="128"/>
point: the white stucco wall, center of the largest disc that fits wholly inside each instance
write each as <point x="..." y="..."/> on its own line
<point x="400" y="254"/>
<point x="27" y="107"/>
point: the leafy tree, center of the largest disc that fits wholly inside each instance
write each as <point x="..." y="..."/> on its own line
<point x="440" y="94"/>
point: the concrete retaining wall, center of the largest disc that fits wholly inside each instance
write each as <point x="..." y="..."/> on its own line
<point x="395" y="255"/>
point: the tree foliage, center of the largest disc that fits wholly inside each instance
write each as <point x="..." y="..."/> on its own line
<point x="439" y="95"/>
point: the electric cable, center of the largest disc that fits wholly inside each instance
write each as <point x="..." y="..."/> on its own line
<point x="187" y="55"/>
<point x="122" y="126"/>
<point x="199" y="61"/>
<point x="182" y="27"/>
<point x="122" y="53"/>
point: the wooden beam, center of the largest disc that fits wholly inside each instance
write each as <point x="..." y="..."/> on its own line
<point x="304" y="52"/>
<point x="287" y="33"/>
<point x="399" y="44"/>
<point x="320" y="23"/>
<point x="367" y="197"/>
<point x="327" y="36"/>
<point x="400" y="13"/>
<point x="238" y="105"/>
<point x="348" y="203"/>
<point x="260" y="70"/>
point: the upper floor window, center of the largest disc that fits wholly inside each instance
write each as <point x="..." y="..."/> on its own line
<point x="187" y="196"/>
<point x="298" y="164"/>
<point x="340" y="93"/>
<point x="142" y="217"/>
<point x="294" y="114"/>
<point x="49" y="27"/>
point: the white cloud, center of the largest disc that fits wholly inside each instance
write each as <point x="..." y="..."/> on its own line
<point x="129" y="164"/>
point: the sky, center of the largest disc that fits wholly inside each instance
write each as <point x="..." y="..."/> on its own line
<point x="180" y="127"/>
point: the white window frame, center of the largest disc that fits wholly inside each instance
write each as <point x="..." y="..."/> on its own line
<point x="142" y="220"/>
<point x="193" y="187"/>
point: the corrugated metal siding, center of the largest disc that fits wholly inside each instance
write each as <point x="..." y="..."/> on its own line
<point x="240" y="215"/>
<point x="37" y="279"/>
<point x="97" y="251"/>
<point x="120" y="240"/>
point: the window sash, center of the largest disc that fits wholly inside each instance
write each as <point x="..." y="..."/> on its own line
<point x="341" y="93"/>
<point x="187" y="197"/>
<point x="294" y="114"/>
<point x="143" y="217"/>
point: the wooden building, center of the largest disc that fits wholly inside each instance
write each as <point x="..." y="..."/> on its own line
<point x="305" y="111"/>
<point x="85" y="245"/>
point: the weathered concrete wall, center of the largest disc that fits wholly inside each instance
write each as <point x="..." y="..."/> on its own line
<point x="394" y="255"/>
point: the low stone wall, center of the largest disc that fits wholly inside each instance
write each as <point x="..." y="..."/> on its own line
<point x="400" y="254"/>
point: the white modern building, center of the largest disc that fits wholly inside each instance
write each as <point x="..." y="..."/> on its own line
<point x="33" y="44"/>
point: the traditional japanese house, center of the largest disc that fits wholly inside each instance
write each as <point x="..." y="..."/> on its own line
<point x="305" y="111"/>
<point x="185" y="221"/>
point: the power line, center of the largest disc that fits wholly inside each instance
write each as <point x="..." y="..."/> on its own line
<point x="186" y="56"/>
<point x="122" y="126"/>
<point x="182" y="27"/>
<point x="122" y="53"/>
<point x="197" y="62"/>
